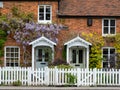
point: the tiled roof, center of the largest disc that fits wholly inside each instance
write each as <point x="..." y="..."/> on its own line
<point x="90" y="7"/>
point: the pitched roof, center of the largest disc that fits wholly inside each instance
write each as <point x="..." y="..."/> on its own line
<point x="79" y="40"/>
<point x="90" y="7"/>
<point x="42" y="41"/>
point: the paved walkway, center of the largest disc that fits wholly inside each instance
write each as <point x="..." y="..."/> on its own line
<point x="57" y="88"/>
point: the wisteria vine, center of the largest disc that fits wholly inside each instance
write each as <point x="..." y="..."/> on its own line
<point x="26" y="32"/>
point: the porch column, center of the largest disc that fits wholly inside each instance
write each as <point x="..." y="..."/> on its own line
<point x="67" y="56"/>
<point x="87" y="58"/>
<point x="33" y="57"/>
<point x="52" y="53"/>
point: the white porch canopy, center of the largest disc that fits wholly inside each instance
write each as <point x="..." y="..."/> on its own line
<point x="78" y="42"/>
<point x="42" y="41"/>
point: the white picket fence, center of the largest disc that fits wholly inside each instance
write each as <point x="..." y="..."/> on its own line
<point x="56" y="76"/>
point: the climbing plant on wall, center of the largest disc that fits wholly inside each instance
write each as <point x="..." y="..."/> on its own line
<point x="24" y="29"/>
<point x="117" y="47"/>
<point x="95" y="51"/>
<point x="3" y="38"/>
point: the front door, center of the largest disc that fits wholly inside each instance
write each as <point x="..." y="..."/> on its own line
<point x="42" y="57"/>
<point x="77" y="57"/>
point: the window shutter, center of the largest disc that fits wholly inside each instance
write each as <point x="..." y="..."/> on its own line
<point x="1" y="4"/>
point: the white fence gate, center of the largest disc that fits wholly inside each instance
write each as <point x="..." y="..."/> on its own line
<point x="55" y="76"/>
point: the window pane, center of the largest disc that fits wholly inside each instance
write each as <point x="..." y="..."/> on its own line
<point x="12" y="55"/>
<point x="106" y="22"/>
<point x="105" y="30"/>
<point x="112" y="22"/>
<point x="112" y="64"/>
<point x="105" y="51"/>
<point x="47" y="16"/>
<point x="48" y="9"/>
<point x="74" y="56"/>
<point x="41" y="9"/>
<point x="12" y="64"/>
<point x="112" y="51"/>
<point x="39" y="55"/>
<point x="12" y="59"/>
<point x="16" y="54"/>
<point x="7" y="64"/>
<point x="105" y="57"/>
<point x="46" y="56"/>
<point x="16" y="64"/>
<point x="105" y="64"/>
<point x="8" y="54"/>
<point x="12" y="49"/>
<point x="112" y="30"/>
<point x="112" y="57"/>
<point x="80" y="56"/>
<point x="16" y="49"/>
<point x="41" y="17"/>
<point x="7" y="60"/>
<point x="7" y="49"/>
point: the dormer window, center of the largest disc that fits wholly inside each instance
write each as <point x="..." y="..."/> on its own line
<point x="109" y="27"/>
<point x="45" y="14"/>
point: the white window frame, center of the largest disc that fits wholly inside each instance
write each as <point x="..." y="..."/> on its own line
<point x="1" y="4"/>
<point x="108" y="53"/>
<point x="6" y="57"/>
<point x="45" y="21"/>
<point x="108" y="26"/>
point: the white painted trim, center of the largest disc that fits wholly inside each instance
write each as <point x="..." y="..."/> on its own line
<point x="78" y="42"/>
<point x="77" y="38"/>
<point x="42" y="38"/>
<point x="33" y="57"/>
<point x="45" y="21"/>
<point x="42" y="41"/>
<point x="5" y="54"/>
<point x="108" y="26"/>
<point x="67" y="56"/>
<point x="87" y="55"/>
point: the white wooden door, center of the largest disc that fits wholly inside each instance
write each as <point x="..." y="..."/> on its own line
<point x="42" y="57"/>
<point x="77" y="57"/>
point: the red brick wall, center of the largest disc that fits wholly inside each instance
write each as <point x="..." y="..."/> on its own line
<point x="30" y="7"/>
<point x="76" y="25"/>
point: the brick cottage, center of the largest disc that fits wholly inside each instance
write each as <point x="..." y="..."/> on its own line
<point x="100" y="16"/>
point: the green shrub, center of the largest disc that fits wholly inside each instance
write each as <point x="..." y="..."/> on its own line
<point x="71" y="79"/>
<point x="17" y="83"/>
<point x="58" y="62"/>
<point x="61" y="66"/>
<point x="64" y="66"/>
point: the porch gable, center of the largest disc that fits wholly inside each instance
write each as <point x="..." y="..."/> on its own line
<point x="77" y="41"/>
<point x="42" y="41"/>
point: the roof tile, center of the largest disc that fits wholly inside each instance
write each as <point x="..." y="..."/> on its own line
<point x="90" y="7"/>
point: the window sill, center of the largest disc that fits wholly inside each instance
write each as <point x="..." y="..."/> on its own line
<point x="108" y="35"/>
<point x="45" y="22"/>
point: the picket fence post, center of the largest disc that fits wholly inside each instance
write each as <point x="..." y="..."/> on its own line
<point x="0" y="75"/>
<point x="56" y="76"/>
<point x="29" y="75"/>
<point x="94" y="76"/>
<point x="78" y="76"/>
<point x="46" y="73"/>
